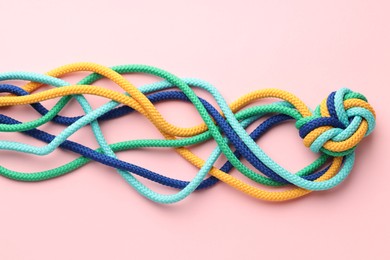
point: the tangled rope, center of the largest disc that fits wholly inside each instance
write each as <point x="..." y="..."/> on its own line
<point x="334" y="129"/>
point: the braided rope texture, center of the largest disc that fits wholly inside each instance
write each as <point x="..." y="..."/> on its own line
<point x="333" y="129"/>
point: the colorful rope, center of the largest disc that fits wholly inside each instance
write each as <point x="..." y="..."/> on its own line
<point x="334" y="129"/>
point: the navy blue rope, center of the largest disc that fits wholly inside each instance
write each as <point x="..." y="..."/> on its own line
<point x="317" y="122"/>
<point x="330" y="105"/>
<point x="89" y="153"/>
<point x="176" y="95"/>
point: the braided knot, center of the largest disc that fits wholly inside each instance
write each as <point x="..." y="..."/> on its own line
<point x="337" y="126"/>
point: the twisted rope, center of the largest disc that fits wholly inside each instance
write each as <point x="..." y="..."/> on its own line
<point x="334" y="129"/>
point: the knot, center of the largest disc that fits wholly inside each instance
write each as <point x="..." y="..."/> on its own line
<point x="337" y="126"/>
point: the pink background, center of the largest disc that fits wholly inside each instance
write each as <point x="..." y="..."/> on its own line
<point x="306" y="47"/>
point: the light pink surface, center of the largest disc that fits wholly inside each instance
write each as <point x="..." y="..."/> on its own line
<point x="306" y="47"/>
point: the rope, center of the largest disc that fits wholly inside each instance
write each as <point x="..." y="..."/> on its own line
<point x="334" y="130"/>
